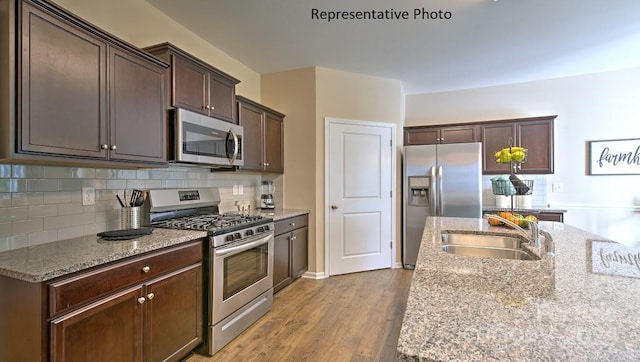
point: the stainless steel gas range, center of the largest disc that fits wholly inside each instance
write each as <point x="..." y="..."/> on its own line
<point x="239" y="264"/>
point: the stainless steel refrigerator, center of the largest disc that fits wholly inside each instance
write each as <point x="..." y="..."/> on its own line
<point x="439" y="180"/>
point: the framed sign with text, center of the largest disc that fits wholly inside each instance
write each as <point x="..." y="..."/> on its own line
<point x="614" y="157"/>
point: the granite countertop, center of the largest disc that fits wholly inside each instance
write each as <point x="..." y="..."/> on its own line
<point x="47" y="261"/>
<point x="562" y="307"/>
<point x="279" y="214"/>
<point x="532" y="209"/>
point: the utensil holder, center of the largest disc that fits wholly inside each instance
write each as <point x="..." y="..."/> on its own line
<point x="131" y="217"/>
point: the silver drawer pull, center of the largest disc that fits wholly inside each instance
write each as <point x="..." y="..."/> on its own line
<point x="146" y="269"/>
<point x="293" y="224"/>
<point x="141" y="300"/>
<point x="150" y="296"/>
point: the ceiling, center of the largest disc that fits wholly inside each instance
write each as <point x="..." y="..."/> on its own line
<point x="483" y="43"/>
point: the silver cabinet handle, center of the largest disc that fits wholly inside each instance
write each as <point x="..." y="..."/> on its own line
<point x="141" y="300"/>
<point x="293" y="224"/>
<point x="293" y="238"/>
<point x="113" y="147"/>
<point x="104" y="146"/>
<point x="146" y="269"/>
<point x="150" y="296"/>
<point x="334" y="207"/>
<point x="442" y="139"/>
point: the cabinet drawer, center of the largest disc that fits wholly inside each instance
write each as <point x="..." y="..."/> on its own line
<point x="292" y="223"/>
<point x="72" y="292"/>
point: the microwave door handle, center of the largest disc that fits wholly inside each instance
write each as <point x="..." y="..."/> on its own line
<point x="235" y="147"/>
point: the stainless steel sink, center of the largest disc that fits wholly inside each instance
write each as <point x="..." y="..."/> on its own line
<point x="487" y="246"/>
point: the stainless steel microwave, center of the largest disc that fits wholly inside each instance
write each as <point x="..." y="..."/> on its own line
<point x="198" y="139"/>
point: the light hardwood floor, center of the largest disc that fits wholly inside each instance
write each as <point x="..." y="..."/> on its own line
<point x="353" y="317"/>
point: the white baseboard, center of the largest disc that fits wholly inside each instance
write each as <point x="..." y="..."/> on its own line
<point x="311" y="275"/>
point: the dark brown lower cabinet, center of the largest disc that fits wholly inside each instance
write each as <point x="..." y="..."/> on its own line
<point x="109" y="330"/>
<point x="160" y="320"/>
<point x="290" y="250"/>
<point x="146" y="308"/>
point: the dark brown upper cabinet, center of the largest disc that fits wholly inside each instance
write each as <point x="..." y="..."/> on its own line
<point x="431" y="135"/>
<point x="196" y="85"/>
<point x="534" y="134"/>
<point x="263" y="141"/>
<point x="83" y="95"/>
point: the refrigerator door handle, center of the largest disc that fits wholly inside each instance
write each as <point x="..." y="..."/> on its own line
<point x="440" y="207"/>
<point x="432" y="190"/>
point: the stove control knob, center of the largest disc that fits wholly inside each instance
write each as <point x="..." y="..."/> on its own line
<point x="266" y="228"/>
<point x="229" y="237"/>
<point x="249" y="233"/>
<point x="237" y="236"/>
<point x="260" y="229"/>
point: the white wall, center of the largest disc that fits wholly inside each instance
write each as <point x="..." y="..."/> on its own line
<point x="590" y="107"/>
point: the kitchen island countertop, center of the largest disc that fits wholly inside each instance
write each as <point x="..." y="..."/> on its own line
<point x="557" y="308"/>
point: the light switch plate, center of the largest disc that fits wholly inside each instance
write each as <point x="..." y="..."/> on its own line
<point x="240" y="189"/>
<point x="235" y="190"/>
<point x="88" y="196"/>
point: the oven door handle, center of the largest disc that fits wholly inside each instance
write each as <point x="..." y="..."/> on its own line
<point x="244" y="246"/>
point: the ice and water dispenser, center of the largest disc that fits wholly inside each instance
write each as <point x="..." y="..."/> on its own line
<point x="419" y="194"/>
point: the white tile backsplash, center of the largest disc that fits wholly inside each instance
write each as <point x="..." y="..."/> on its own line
<point x="42" y="204"/>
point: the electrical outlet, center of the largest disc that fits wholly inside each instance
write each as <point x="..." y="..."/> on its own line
<point x="235" y="190"/>
<point x="240" y="189"/>
<point x="557" y="187"/>
<point x="88" y="196"/>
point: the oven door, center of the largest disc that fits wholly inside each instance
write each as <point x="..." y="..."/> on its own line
<point x="241" y="272"/>
<point x="206" y="140"/>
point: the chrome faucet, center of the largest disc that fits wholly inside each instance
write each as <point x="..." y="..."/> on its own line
<point x="534" y="237"/>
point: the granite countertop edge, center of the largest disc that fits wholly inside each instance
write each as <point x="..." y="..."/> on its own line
<point x="523" y="210"/>
<point x="280" y="214"/>
<point x="40" y="263"/>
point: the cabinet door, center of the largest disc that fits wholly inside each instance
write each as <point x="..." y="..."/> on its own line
<point x="460" y="134"/>
<point x="137" y="117"/>
<point x="299" y="253"/>
<point x="421" y="136"/>
<point x="64" y="88"/>
<point x="273" y="143"/>
<point x="281" y="261"/>
<point x="222" y="99"/>
<point x="537" y="138"/>
<point x="550" y="216"/>
<point x="108" y="330"/>
<point x="189" y="85"/>
<point x="173" y="320"/>
<point x="494" y="138"/>
<point x="251" y="119"/>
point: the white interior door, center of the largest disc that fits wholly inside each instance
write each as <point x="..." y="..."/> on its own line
<point x="360" y="176"/>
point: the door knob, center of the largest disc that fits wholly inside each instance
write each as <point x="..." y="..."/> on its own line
<point x="334" y="207"/>
<point x="141" y="300"/>
<point x="150" y="296"/>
